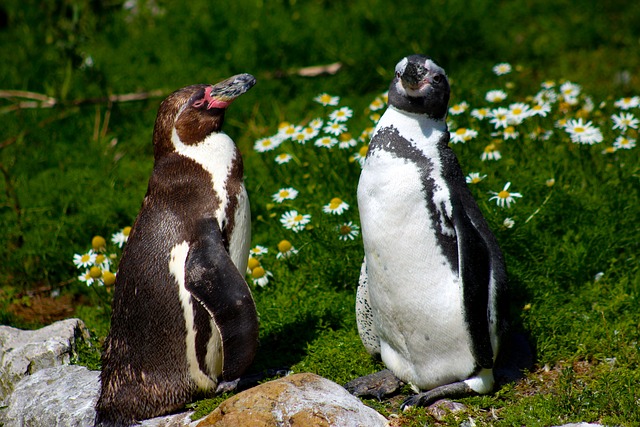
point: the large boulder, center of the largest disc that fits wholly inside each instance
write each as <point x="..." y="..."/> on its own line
<point x="26" y="352"/>
<point x="296" y="400"/>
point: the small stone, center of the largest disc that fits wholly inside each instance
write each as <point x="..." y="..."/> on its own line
<point x="440" y="408"/>
<point x="300" y="400"/>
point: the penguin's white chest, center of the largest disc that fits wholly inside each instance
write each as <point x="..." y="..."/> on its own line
<point x="217" y="154"/>
<point x="415" y="293"/>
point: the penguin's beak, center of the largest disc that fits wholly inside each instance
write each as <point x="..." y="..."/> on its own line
<point x="225" y="92"/>
<point x="231" y="88"/>
<point x="414" y="77"/>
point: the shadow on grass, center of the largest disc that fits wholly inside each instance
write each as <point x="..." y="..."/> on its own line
<point x="287" y="345"/>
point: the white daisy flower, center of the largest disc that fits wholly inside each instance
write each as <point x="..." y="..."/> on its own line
<point x="326" y="142"/>
<point x="87" y="278"/>
<point x="299" y="137"/>
<point x="341" y="114"/>
<point x="335" y="128"/>
<point x="495" y="96"/>
<point x="326" y="99"/>
<point x="583" y="133"/>
<point x="474" y="178"/>
<point x="260" y="276"/>
<point x="346" y="141"/>
<point x="518" y="112"/>
<point x="510" y="133"/>
<point x="316" y="123"/>
<point x="624" y="121"/>
<point x="627" y="103"/>
<point x="570" y="90"/>
<point x="504" y="197"/>
<point x="545" y="96"/>
<point x="285" y="250"/>
<point x="377" y="104"/>
<point x="480" y="113"/>
<point x="502" y="69"/>
<point x="121" y="237"/>
<point x="258" y="250"/>
<point x="267" y="144"/>
<point x="462" y="135"/>
<point x="285" y="194"/>
<point x="541" y="109"/>
<point x="336" y="206"/>
<point x="491" y="152"/>
<point x="499" y="117"/>
<point x="292" y="220"/>
<point x="287" y="130"/>
<point x="85" y="260"/>
<point x="623" y="142"/>
<point x="283" y="158"/>
<point x="457" y="109"/>
<point x="348" y="231"/>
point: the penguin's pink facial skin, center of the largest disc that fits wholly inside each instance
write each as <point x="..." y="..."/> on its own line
<point x="204" y="111"/>
<point x="222" y="94"/>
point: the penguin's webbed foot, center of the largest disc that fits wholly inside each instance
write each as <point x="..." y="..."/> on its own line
<point x="247" y="381"/>
<point x="426" y="398"/>
<point x="378" y="385"/>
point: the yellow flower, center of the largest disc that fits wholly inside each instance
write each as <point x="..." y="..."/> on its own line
<point x="98" y="243"/>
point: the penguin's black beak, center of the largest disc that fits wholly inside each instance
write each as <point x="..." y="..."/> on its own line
<point x="223" y="93"/>
<point x="414" y="76"/>
<point x="231" y="88"/>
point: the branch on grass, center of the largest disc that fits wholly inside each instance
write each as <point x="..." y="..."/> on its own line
<point x="25" y="100"/>
<point x="312" y="71"/>
<point x="22" y="99"/>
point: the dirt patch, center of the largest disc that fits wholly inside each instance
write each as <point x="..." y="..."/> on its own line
<point x="40" y="309"/>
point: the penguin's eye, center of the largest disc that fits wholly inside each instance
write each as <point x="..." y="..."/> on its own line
<point x="398" y="74"/>
<point x="437" y="78"/>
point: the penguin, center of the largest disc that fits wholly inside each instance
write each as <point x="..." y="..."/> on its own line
<point x="183" y="317"/>
<point x="432" y="283"/>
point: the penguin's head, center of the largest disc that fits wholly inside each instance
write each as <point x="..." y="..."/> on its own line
<point x="420" y="86"/>
<point x="197" y="111"/>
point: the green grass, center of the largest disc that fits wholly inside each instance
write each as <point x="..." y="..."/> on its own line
<point x="81" y="169"/>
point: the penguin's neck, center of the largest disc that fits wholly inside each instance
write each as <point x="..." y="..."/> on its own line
<point x="419" y="129"/>
<point x="219" y="156"/>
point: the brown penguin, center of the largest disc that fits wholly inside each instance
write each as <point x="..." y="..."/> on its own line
<point x="183" y="316"/>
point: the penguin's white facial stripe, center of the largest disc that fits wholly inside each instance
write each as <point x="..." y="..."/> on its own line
<point x="400" y="67"/>
<point x="434" y="68"/>
<point x="177" y="261"/>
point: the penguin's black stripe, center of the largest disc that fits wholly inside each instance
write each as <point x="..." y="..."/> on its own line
<point x="389" y="139"/>
<point x="481" y="259"/>
<point x="474" y="254"/>
<point x="216" y="283"/>
<point x="202" y="325"/>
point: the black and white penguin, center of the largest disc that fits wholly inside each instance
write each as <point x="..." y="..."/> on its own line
<point x="183" y="315"/>
<point x="433" y="277"/>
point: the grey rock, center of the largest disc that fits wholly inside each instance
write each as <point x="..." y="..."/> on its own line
<point x="26" y="352"/>
<point x="65" y="396"/>
<point x="59" y="396"/>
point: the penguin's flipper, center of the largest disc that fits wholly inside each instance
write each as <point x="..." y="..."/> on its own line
<point x="449" y="391"/>
<point x="378" y="385"/>
<point x="474" y="264"/>
<point x="215" y="282"/>
<point x="364" y="314"/>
